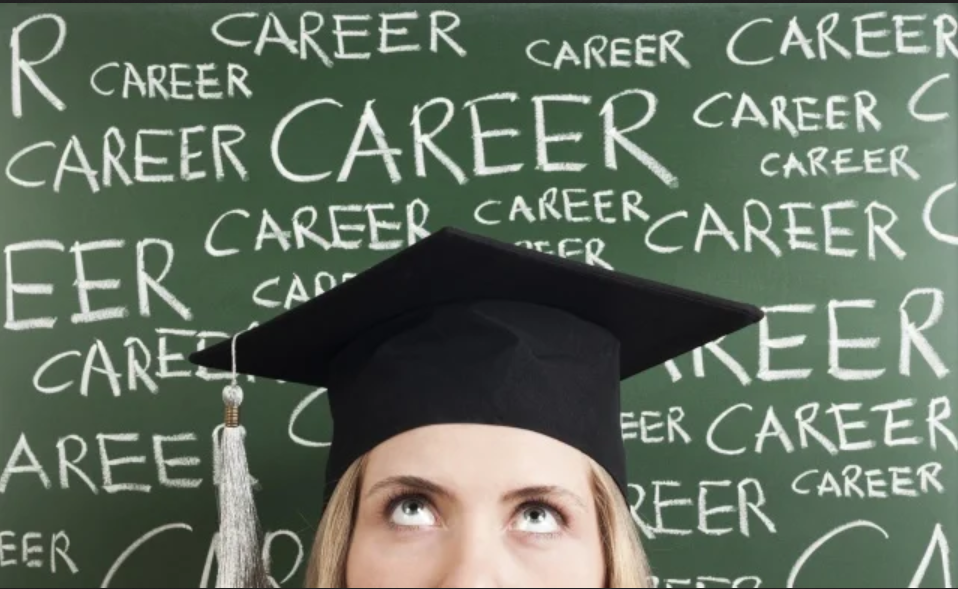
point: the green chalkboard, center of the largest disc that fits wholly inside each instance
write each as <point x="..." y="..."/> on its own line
<point x="174" y="173"/>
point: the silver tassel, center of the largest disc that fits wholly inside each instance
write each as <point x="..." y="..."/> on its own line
<point x="239" y="557"/>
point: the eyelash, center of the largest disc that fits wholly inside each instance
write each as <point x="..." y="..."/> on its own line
<point x="398" y="497"/>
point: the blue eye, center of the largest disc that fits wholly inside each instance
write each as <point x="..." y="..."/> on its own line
<point x="539" y="519"/>
<point x="411" y="512"/>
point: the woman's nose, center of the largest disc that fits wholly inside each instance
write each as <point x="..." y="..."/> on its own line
<point x="474" y="557"/>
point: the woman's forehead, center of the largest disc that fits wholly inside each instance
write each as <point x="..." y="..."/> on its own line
<point x="457" y="455"/>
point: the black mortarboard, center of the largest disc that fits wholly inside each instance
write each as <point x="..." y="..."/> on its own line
<point x="461" y="328"/>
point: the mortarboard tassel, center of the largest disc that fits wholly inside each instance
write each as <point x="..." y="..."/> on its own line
<point x="239" y="557"/>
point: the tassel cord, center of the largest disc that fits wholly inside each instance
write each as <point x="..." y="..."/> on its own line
<point x="239" y="557"/>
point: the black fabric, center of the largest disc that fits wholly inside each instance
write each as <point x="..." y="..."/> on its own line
<point x="489" y="362"/>
<point x="460" y="328"/>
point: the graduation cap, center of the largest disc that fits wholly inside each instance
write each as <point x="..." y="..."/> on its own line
<point x="462" y="328"/>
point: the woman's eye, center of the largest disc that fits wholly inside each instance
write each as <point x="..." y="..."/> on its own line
<point x="413" y="513"/>
<point x="539" y="520"/>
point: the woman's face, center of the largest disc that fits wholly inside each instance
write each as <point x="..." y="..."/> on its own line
<point x="476" y="506"/>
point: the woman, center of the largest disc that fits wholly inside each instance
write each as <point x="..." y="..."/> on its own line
<point x="574" y="530"/>
<point x="475" y="393"/>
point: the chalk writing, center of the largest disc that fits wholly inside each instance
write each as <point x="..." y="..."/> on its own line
<point x="122" y="458"/>
<point x="255" y="32"/>
<point x="837" y="427"/>
<point x="202" y="168"/>
<point x="156" y="156"/>
<point x="344" y="222"/>
<point x="707" y="581"/>
<point x="817" y="40"/>
<point x="176" y="81"/>
<point x="600" y="52"/>
<point x="35" y="550"/>
<point x="937" y="546"/>
<point x="616" y="135"/>
<point x="147" y="283"/>
<point x="743" y="501"/>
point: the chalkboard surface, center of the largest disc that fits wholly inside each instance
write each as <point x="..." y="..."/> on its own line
<point x="176" y="173"/>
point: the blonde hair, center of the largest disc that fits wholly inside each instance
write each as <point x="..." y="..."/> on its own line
<point x="625" y="560"/>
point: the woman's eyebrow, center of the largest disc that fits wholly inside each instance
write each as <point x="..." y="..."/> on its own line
<point x="418" y="484"/>
<point x="546" y="491"/>
<point x="421" y="485"/>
